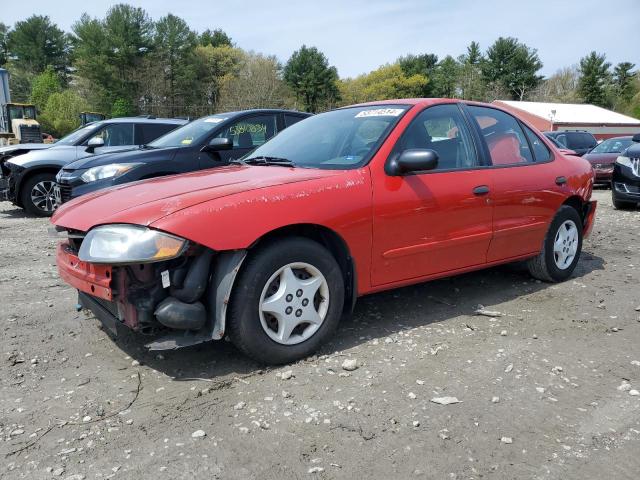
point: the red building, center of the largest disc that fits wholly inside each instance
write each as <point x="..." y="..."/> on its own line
<point x="602" y="123"/>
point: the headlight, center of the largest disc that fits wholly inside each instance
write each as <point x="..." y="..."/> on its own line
<point x="107" y="171"/>
<point x="118" y="244"/>
<point x="626" y="161"/>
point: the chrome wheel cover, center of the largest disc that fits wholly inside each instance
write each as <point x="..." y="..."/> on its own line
<point x="294" y="303"/>
<point x="565" y="245"/>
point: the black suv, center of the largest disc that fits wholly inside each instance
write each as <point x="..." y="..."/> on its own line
<point x="625" y="180"/>
<point x="208" y="142"/>
<point x="28" y="180"/>
<point x="580" y="141"/>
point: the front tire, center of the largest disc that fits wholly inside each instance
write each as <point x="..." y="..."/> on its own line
<point x="287" y="301"/>
<point x="37" y="194"/>
<point x="561" y="248"/>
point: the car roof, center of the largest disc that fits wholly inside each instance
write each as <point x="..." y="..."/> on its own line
<point x="258" y="110"/>
<point x="144" y="119"/>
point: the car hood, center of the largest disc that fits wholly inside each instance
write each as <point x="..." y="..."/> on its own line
<point x="130" y="155"/>
<point x="24" y="146"/>
<point x="147" y="201"/>
<point x="601" y="157"/>
<point x="58" y="155"/>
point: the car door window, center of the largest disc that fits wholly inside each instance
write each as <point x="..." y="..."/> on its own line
<point x="540" y="151"/>
<point x="505" y="139"/>
<point x="150" y="131"/>
<point x="291" y="119"/>
<point x="562" y="140"/>
<point x="442" y="129"/>
<point x="116" y="134"/>
<point x="250" y="132"/>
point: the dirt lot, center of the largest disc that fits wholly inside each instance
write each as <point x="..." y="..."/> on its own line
<point x="546" y="390"/>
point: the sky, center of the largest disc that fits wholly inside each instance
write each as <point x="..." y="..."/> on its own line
<point x="358" y="36"/>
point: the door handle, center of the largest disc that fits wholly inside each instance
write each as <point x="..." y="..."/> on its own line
<point x="561" y="180"/>
<point x="481" y="190"/>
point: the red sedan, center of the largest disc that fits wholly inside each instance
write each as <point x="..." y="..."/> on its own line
<point x="272" y="250"/>
<point x="604" y="155"/>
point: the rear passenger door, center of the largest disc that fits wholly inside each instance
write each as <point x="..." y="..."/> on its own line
<point x="525" y="195"/>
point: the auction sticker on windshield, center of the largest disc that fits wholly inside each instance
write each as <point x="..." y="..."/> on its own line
<point x="380" y="112"/>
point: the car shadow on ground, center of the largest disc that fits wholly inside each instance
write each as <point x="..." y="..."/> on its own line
<point x="11" y="211"/>
<point x="376" y="316"/>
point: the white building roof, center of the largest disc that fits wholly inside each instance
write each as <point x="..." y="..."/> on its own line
<point x="572" y="113"/>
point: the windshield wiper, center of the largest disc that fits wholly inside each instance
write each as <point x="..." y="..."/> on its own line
<point x="281" y="162"/>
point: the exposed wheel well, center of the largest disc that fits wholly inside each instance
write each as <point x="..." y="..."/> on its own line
<point x="28" y="175"/>
<point x="576" y="202"/>
<point x="330" y="240"/>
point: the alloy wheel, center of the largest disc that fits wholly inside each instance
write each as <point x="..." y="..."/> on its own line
<point x="43" y="196"/>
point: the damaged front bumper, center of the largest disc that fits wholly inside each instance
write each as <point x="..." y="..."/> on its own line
<point x="178" y="303"/>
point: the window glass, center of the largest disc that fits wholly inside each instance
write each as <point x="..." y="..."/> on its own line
<point x="192" y="133"/>
<point x="116" y="134"/>
<point x="151" y="131"/>
<point x="505" y="139"/>
<point x="613" y="145"/>
<point x="540" y="151"/>
<point x="340" y="139"/>
<point x="580" y="140"/>
<point x="251" y="132"/>
<point x="78" y="135"/>
<point x="562" y="140"/>
<point x="442" y="129"/>
<point x="291" y="119"/>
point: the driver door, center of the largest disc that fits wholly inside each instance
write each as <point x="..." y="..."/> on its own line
<point x="426" y="223"/>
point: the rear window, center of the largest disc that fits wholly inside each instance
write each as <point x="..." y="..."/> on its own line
<point x="580" y="140"/>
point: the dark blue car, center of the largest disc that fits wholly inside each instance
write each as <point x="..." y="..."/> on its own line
<point x="208" y="142"/>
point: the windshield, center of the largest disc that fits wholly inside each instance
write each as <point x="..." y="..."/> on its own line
<point x="78" y="134"/>
<point x="613" y="145"/>
<point x="340" y="139"/>
<point x="191" y="133"/>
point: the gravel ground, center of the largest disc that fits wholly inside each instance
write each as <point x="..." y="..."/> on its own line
<point x="546" y="389"/>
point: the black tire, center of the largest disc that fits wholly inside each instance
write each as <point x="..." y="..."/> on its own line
<point x="621" y="204"/>
<point x="543" y="267"/>
<point x="25" y="195"/>
<point x="243" y="321"/>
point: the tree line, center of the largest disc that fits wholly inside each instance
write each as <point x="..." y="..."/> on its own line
<point x="128" y="64"/>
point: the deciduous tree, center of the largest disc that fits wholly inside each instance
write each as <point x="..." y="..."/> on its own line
<point x="43" y="86"/>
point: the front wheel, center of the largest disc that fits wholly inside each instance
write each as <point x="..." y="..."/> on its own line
<point x="561" y="247"/>
<point x="287" y="301"/>
<point x="37" y="194"/>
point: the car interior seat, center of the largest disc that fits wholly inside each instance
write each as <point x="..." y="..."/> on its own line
<point x="245" y="140"/>
<point x="505" y="148"/>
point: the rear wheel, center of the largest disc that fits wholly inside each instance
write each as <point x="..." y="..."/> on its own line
<point x="287" y="301"/>
<point x="37" y="194"/>
<point x="561" y="248"/>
